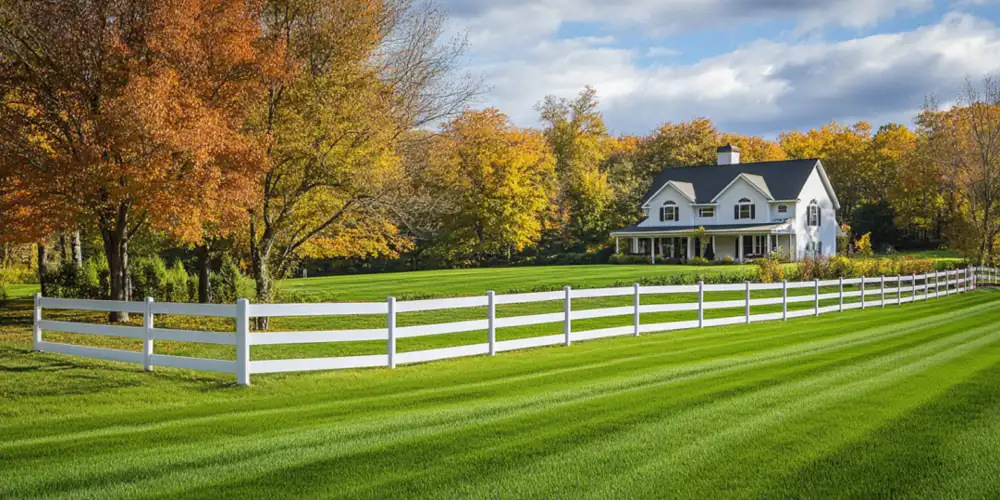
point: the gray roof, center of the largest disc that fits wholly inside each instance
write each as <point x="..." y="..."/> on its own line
<point x="783" y="179"/>
<point x="709" y="229"/>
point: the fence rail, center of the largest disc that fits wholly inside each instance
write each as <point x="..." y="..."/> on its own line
<point x="902" y="289"/>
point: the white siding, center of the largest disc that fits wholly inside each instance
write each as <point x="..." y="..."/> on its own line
<point x="826" y="234"/>
<point x="738" y="190"/>
<point x="683" y="205"/>
<point x="778" y="217"/>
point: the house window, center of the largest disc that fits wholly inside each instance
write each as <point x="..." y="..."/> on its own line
<point x="782" y="209"/>
<point x="706" y="212"/>
<point x="668" y="212"/>
<point x="812" y="214"/>
<point x="745" y="209"/>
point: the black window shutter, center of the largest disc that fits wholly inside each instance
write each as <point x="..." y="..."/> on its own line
<point x="753" y="211"/>
<point x="736" y="212"/>
<point x="819" y="220"/>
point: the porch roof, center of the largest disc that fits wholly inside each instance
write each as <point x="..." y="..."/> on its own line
<point x="636" y="230"/>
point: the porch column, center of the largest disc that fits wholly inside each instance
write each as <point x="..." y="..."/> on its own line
<point x="616" y="245"/>
<point x="635" y="244"/>
<point x="739" y="248"/>
<point x="714" y="249"/>
<point x="791" y="256"/>
<point x="767" y="249"/>
<point x="652" y="250"/>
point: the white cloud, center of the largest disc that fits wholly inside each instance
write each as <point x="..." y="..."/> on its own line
<point x="762" y="87"/>
<point x="500" y="24"/>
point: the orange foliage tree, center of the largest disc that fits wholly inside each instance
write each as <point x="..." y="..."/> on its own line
<point x="127" y="114"/>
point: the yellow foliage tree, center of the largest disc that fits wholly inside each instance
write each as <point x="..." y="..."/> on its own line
<point x="501" y="180"/>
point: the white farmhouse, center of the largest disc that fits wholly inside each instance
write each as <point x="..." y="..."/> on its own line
<point x="747" y="209"/>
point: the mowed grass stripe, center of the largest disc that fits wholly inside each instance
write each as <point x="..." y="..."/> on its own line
<point x="691" y="343"/>
<point x="311" y="449"/>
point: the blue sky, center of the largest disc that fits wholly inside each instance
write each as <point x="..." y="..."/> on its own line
<point x="752" y="66"/>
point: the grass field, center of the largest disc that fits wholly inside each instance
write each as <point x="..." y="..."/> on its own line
<point x="900" y="402"/>
<point x="458" y="282"/>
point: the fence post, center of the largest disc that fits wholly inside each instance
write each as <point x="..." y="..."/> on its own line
<point x="913" y="287"/>
<point x="784" y="300"/>
<point x="937" y="284"/>
<point x="899" y="290"/>
<point x="701" y="304"/>
<point x="947" y="284"/>
<point x="147" y="345"/>
<point x="491" y="316"/>
<point x="862" y="292"/>
<point x="243" y="342"/>
<point x="746" y="306"/>
<point x="635" y="313"/>
<point x="927" y="286"/>
<point x="881" y="299"/>
<point x="816" y="296"/>
<point x="36" y="317"/>
<point x="840" y="304"/>
<point x="390" y="322"/>
<point x="567" y="307"/>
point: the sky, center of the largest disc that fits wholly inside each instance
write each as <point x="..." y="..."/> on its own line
<point x="754" y="67"/>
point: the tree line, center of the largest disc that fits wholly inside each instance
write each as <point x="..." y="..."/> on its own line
<point x="283" y="132"/>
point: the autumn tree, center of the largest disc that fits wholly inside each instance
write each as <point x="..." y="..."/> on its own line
<point x="127" y="113"/>
<point x="575" y="131"/>
<point x="355" y="77"/>
<point x="501" y="180"/>
<point x="965" y="141"/>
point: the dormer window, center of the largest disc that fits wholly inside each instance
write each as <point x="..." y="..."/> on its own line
<point x="812" y="214"/>
<point x="706" y="212"/>
<point x="745" y="209"/>
<point x="668" y="212"/>
<point x="782" y="209"/>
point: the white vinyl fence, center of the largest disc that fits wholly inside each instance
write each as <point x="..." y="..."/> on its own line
<point x="872" y="292"/>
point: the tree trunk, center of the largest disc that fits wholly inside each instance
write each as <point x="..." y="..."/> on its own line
<point x="204" y="274"/>
<point x="77" y="251"/>
<point x="43" y="271"/>
<point x="63" y="248"/>
<point x="114" y="232"/>
<point x="259" y="254"/>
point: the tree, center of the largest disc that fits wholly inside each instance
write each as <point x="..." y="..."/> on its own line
<point x="965" y="141"/>
<point x="576" y="133"/>
<point x="355" y="76"/>
<point x="846" y="155"/>
<point x="128" y="114"/>
<point x="501" y="179"/>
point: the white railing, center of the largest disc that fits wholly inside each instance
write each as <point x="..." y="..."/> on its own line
<point x="902" y="289"/>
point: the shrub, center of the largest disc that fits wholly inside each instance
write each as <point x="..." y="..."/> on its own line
<point x="863" y="246"/>
<point x="770" y="269"/>
<point x="88" y="282"/>
<point x="149" y="275"/>
<point x="17" y="275"/>
<point x="628" y="259"/>
<point x="725" y="261"/>
<point x="698" y="261"/>
<point x="225" y="282"/>
<point x="230" y="284"/>
<point x="176" y="283"/>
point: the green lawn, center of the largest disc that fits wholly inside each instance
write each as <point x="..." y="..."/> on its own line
<point x="464" y="282"/>
<point x="20" y="291"/>
<point x="901" y="402"/>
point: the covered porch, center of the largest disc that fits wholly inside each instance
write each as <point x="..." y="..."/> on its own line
<point x="741" y="244"/>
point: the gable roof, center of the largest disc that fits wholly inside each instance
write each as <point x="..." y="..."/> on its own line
<point x="782" y="179"/>
<point x="686" y="189"/>
<point x="757" y="182"/>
